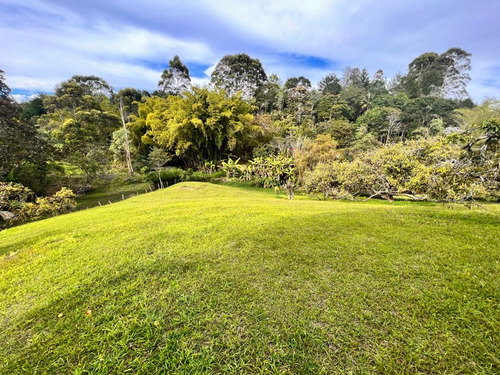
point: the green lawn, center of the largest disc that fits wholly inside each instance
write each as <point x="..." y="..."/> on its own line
<point x="113" y="191"/>
<point x="202" y="278"/>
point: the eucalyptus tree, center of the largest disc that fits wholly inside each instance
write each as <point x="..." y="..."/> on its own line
<point x="176" y="78"/>
<point x="239" y="73"/>
<point x="93" y="85"/>
<point x="444" y="75"/>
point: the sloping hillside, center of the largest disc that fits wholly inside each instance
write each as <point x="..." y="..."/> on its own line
<point x="202" y="278"/>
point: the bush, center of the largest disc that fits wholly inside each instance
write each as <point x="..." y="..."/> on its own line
<point x="198" y="176"/>
<point x="231" y="168"/>
<point x="61" y="202"/>
<point x="420" y="170"/>
<point x="271" y="171"/>
<point x="13" y="196"/>
<point x="16" y="205"/>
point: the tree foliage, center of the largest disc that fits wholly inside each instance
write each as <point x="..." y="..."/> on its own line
<point x="22" y="146"/>
<point x="175" y="79"/>
<point x="203" y="125"/>
<point x="330" y="84"/>
<point x="416" y="134"/>
<point x="444" y="75"/>
<point x="80" y="121"/>
<point x="239" y="73"/>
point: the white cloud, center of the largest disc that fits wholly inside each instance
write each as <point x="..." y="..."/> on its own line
<point x="47" y="41"/>
<point x="20" y="98"/>
<point x="124" y="55"/>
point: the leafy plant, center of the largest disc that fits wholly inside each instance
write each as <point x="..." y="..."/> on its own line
<point x="231" y="167"/>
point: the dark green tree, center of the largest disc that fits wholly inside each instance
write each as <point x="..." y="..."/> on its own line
<point x="23" y="150"/>
<point x="377" y="86"/>
<point x="330" y="84"/>
<point x="357" y="100"/>
<point x="33" y="109"/>
<point x="268" y="95"/>
<point x="419" y="113"/>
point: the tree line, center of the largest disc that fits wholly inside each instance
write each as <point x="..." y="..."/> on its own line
<point x="361" y="134"/>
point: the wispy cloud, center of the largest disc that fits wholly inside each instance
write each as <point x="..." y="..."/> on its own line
<point x="46" y="41"/>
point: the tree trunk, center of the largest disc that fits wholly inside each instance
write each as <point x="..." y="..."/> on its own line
<point x="126" y="143"/>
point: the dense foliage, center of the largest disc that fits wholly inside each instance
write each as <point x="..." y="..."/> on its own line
<point x="19" y="204"/>
<point x="417" y="134"/>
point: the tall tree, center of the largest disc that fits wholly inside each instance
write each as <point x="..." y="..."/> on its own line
<point x="268" y="95"/>
<point x="377" y="84"/>
<point x="295" y="82"/>
<point x="175" y="79"/>
<point x="444" y="75"/>
<point x="126" y="143"/>
<point x="357" y="100"/>
<point x="80" y="121"/>
<point x="93" y="85"/>
<point x="4" y="89"/>
<point x="330" y="84"/>
<point x="355" y="77"/>
<point x="23" y="150"/>
<point x="239" y="73"/>
<point x="456" y="77"/>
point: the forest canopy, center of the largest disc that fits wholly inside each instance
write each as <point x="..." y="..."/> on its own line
<point x="416" y="134"/>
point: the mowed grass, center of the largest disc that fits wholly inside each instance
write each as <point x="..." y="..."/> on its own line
<point x="201" y="278"/>
<point x="114" y="192"/>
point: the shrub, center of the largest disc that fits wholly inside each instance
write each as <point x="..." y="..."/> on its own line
<point x="425" y="169"/>
<point x="231" y="168"/>
<point x="16" y="204"/>
<point x="12" y="199"/>
<point x="60" y="203"/>
<point x="13" y="196"/>
<point x="198" y="176"/>
<point x="271" y="171"/>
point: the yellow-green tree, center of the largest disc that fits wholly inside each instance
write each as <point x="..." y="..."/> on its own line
<point x="202" y="125"/>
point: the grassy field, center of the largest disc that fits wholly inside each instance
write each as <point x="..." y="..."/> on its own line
<point x="114" y="191"/>
<point x="202" y="278"/>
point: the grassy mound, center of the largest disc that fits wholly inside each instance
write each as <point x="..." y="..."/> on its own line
<point x="202" y="278"/>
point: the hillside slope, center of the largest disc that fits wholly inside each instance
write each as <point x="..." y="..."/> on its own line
<point x="202" y="278"/>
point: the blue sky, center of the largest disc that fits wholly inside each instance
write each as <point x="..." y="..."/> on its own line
<point x="43" y="42"/>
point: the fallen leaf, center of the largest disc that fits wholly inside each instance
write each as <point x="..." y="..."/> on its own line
<point x="88" y="313"/>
